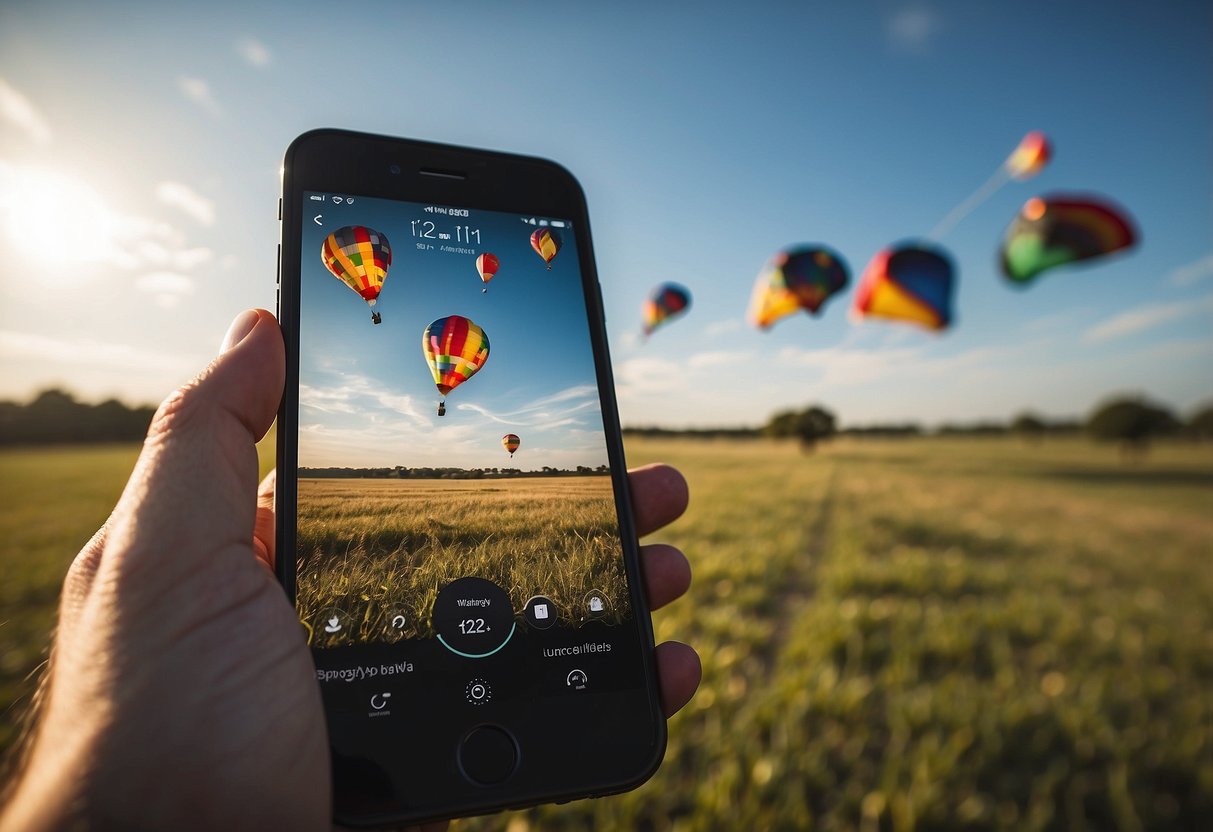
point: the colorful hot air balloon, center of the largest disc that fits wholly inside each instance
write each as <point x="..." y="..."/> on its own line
<point x="802" y="277"/>
<point x="455" y="349"/>
<point x="487" y="264"/>
<point x="1056" y="229"/>
<point x="359" y="257"/>
<point x="1030" y="157"/>
<point x="666" y="302"/>
<point x="511" y="442"/>
<point x="546" y="243"/>
<point x="908" y="282"/>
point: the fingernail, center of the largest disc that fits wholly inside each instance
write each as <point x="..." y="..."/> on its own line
<point x="239" y="329"/>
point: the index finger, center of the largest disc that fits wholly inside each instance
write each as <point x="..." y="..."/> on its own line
<point x="659" y="496"/>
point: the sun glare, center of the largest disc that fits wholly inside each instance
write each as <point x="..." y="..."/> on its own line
<point x="41" y="207"/>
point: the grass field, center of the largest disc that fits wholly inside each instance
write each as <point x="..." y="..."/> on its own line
<point x="929" y="634"/>
<point x="370" y="546"/>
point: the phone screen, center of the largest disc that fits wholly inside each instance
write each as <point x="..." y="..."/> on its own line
<point x="457" y="536"/>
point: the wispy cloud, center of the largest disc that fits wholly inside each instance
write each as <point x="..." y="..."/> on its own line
<point x="168" y="288"/>
<point x="198" y="91"/>
<point x="562" y="408"/>
<point x="20" y="112"/>
<point x="912" y="29"/>
<point x="718" y="328"/>
<point x="184" y="198"/>
<point x="254" y="52"/>
<point x="88" y="352"/>
<point x="1193" y="272"/>
<point x="1143" y="319"/>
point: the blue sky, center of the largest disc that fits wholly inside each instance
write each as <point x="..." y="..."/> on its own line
<point x="367" y="396"/>
<point x="706" y="137"/>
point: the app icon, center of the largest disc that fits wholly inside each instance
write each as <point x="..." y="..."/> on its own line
<point x="478" y="692"/>
<point x="597" y="605"/>
<point x="379" y="701"/>
<point x="394" y="623"/>
<point x="577" y="679"/>
<point x="541" y="612"/>
<point x="331" y="626"/>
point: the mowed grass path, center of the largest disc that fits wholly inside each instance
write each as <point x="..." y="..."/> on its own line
<point x="929" y="634"/>
<point x="935" y="634"/>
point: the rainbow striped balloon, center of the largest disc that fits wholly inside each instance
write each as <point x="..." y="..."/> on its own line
<point x="456" y="349"/>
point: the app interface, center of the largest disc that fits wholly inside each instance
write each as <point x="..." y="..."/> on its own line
<point x="457" y="535"/>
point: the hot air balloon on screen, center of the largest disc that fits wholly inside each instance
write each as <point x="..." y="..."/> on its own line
<point x="546" y="243"/>
<point x="802" y="277"/>
<point x="359" y="257"/>
<point x="908" y="282"/>
<point x="1057" y="229"/>
<point x="511" y="442"/>
<point x="665" y="302"/>
<point x="456" y="349"/>
<point x="487" y="265"/>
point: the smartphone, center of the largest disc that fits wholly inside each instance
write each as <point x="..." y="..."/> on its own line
<point x="453" y="517"/>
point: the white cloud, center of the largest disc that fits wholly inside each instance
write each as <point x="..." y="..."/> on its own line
<point x="718" y="328"/>
<point x="1145" y="318"/>
<point x="912" y="29"/>
<point x="167" y="287"/>
<point x="254" y="52"/>
<point x="186" y="199"/>
<point x="198" y="91"/>
<point x="1193" y="272"/>
<point x="87" y="352"/>
<point x="20" y="112"/>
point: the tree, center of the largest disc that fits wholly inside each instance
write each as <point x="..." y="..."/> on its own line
<point x="1200" y="426"/>
<point x="1028" y="427"/>
<point x="1133" y="422"/>
<point x="810" y="426"/>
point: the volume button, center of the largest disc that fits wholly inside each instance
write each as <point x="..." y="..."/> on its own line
<point x="278" y="275"/>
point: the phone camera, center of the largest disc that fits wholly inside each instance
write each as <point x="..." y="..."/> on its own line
<point x="394" y="168"/>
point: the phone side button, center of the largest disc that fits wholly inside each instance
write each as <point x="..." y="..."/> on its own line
<point x="488" y="755"/>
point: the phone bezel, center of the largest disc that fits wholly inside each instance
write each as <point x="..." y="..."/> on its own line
<point x="359" y="163"/>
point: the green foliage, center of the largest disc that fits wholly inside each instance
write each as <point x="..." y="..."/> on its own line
<point x="1200" y="426"/>
<point x="809" y="425"/>
<point x="55" y="416"/>
<point x="1132" y="421"/>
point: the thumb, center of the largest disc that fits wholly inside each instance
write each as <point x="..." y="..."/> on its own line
<point x="193" y="493"/>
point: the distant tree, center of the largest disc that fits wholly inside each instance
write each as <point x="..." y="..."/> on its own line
<point x="1200" y="426"/>
<point x="1029" y="427"/>
<point x="1134" y="423"/>
<point x="810" y="426"/>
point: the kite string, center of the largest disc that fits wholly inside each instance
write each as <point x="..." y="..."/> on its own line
<point x="1000" y="178"/>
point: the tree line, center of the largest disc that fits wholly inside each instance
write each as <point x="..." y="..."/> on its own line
<point x="54" y="416"/>
<point x="400" y="472"/>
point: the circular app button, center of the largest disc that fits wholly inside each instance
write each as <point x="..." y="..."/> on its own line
<point x="596" y="604"/>
<point x="332" y="626"/>
<point x="473" y="617"/>
<point x="478" y="691"/>
<point x="394" y="622"/>
<point x="541" y="613"/>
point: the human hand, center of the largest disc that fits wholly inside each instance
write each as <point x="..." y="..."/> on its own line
<point x="181" y="693"/>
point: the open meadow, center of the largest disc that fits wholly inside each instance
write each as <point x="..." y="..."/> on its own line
<point x="368" y="546"/>
<point x="896" y="634"/>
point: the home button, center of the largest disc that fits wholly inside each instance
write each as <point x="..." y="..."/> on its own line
<point x="488" y="755"/>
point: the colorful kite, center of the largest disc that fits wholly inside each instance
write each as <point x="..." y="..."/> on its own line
<point x="664" y="304"/>
<point x="359" y="257"/>
<point x="546" y="243"/>
<point x="511" y="442"/>
<point x="1028" y="159"/>
<point x="908" y="283"/>
<point x="803" y="277"/>
<point x="1056" y="229"/>
<point x="455" y="349"/>
<point x="487" y="265"/>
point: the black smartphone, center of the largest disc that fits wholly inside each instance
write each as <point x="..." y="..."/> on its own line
<point x="453" y="517"/>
